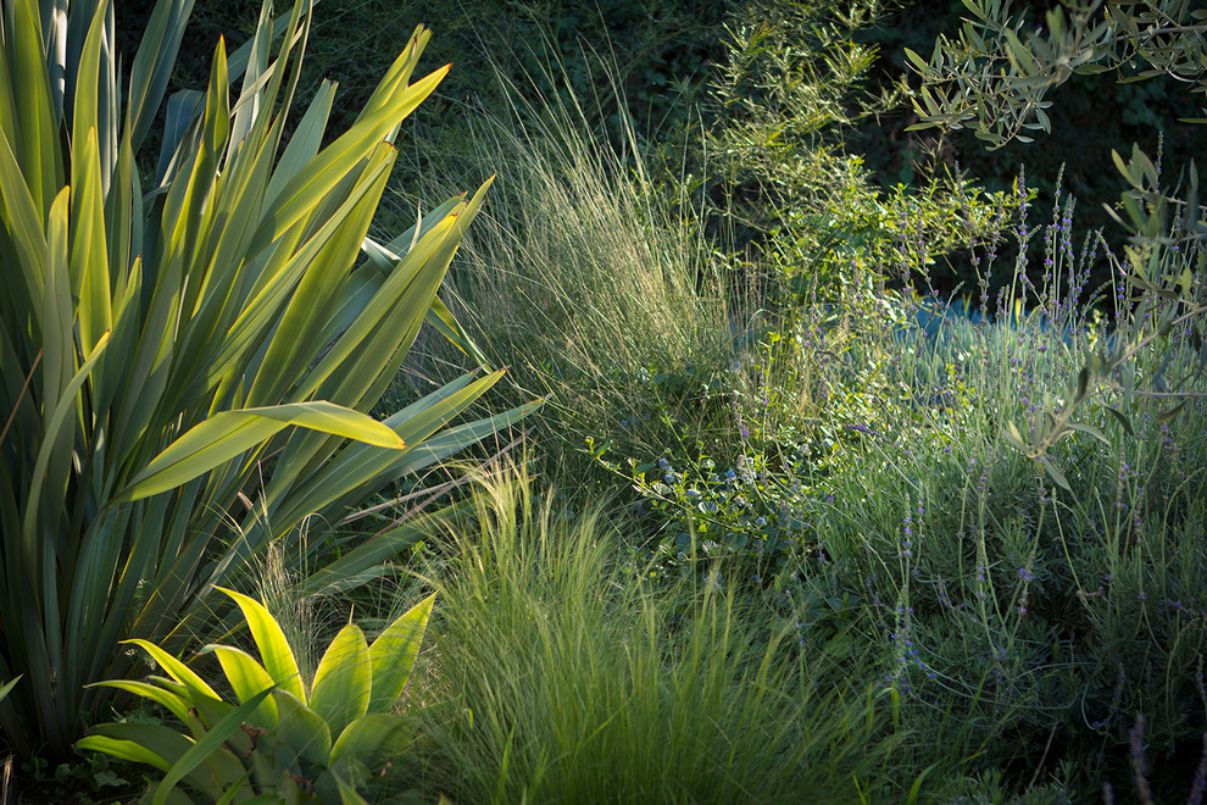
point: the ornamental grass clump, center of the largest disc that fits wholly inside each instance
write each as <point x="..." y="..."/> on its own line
<point x="189" y="351"/>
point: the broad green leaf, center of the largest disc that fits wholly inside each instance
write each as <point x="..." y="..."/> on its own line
<point x="302" y="730"/>
<point x="347" y="794"/>
<point x="1055" y="473"/>
<point x="217" y="771"/>
<point x="275" y="652"/>
<point x="247" y="678"/>
<point x="343" y="680"/>
<point x="372" y="739"/>
<point x="393" y="654"/>
<point x="207" y="746"/>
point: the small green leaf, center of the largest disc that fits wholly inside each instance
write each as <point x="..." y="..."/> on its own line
<point x="1055" y="473"/>
<point x="1169" y="415"/>
<point x="917" y="60"/>
<point x="1090" y="430"/>
<point x="1014" y="438"/>
<point x="1123" y="421"/>
<point x="8" y="686"/>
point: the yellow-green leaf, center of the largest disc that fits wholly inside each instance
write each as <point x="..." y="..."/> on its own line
<point x="124" y="750"/>
<point x="176" y="669"/>
<point x="247" y="678"/>
<point x="393" y="654"/>
<point x="343" y="681"/>
<point x="174" y="704"/>
<point x="275" y="652"/>
<point x="302" y="730"/>
<point x="227" y="434"/>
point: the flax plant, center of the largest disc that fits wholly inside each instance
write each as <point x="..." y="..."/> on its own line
<point x="188" y="353"/>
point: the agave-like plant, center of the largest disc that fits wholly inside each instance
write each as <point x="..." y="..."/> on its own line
<point x="189" y="352"/>
<point x="286" y="738"/>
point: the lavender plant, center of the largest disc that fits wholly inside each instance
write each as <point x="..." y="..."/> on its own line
<point x="1004" y="602"/>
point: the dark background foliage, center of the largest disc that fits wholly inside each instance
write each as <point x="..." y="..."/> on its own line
<point x="661" y="51"/>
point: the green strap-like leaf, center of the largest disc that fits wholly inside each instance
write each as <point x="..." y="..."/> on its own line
<point x="58" y="419"/>
<point x="445" y="323"/>
<point x="89" y="264"/>
<point x="8" y="686"/>
<point x="381" y="548"/>
<point x="123" y="750"/>
<point x="229" y="433"/>
<point x="176" y="669"/>
<point x="38" y="147"/>
<point x="152" y="66"/>
<point x="174" y="704"/>
<point x="24" y="221"/>
<point x="439" y="315"/>
<point x="312" y="184"/>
